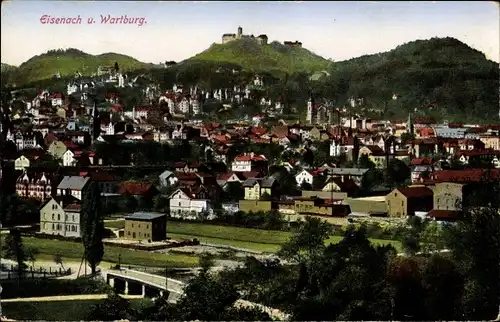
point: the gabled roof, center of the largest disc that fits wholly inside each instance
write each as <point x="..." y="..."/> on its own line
<point x="268" y="182"/>
<point x="135" y="188"/>
<point x="348" y="171"/>
<point x="250" y="182"/>
<point x="73" y="182"/>
<point x="416" y="192"/>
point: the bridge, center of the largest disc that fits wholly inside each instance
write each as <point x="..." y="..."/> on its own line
<point x="131" y="282"/>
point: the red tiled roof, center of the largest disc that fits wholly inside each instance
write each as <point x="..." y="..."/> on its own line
<point x="250" y="157"/>
<point x="422" y="161"/>
<point x="466" y="175"/>
<point x="416" y="192"/>
<point x="133" y="188"/>
<point x="252" y="174"/>
<point x="478" y="152"/>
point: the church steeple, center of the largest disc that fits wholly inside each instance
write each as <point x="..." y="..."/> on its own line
<point x="95" y="126"/>
<point x="409" y="124"/>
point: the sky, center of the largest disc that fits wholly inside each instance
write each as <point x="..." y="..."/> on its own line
<point x="179" y="30"/>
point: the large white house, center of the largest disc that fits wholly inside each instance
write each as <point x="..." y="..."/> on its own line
<point x="183" y="204"/>
<point x="61" y="216"/>
<point x="246" y="162"/>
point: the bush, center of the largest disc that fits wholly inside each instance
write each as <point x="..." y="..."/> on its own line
<point x="53" y="287"/>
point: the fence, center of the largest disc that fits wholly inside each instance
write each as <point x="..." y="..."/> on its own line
<point x="31" y="272"/>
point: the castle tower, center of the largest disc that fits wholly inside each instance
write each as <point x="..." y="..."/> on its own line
<point x="240" y="32"/>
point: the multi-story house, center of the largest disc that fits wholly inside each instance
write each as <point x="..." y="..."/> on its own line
<point x="491" y="141"/>
<point x="26" y="140"/>
<point x="107" y="182"/>
<point x="257" y="188"/>
<point x="61" y="216"/>
<point x="73" y="186"/>
<point x="188" y="204"/>
<point x="455" y="190"/>
<point x="69" y="157"/>
<point x="343" y="145"/>
<point x="248" y="162"/>
<point x="34" y="186"/>
<point x="304" y="177"/>
<point x="56" y="99"/>
<point x="57" y="149"/>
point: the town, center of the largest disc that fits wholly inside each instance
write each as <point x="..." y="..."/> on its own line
<point x="218" y="188"/>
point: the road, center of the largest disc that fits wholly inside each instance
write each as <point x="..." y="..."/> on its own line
<point x="68" y="298"/>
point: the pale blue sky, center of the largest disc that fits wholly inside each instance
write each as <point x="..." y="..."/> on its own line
<point x="178" y="30"/>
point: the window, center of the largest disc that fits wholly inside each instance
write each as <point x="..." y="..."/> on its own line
<point x="53" y="216"/>
<point x="72" y="217"/>
<point x="402" y="203"/>
<point x="58" y="216"/>
<point x="66" y="217"/>
<point x="179" y="203"/>
<point x="147" y="226"/>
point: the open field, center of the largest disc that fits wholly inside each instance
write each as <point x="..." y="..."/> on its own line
<point x="249" y="238"/>
<point x="75" y="310"/>
<point x="74" y="251"/>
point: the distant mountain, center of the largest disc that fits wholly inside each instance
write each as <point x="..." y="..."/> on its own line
<point x="439" y="72"/>
<point x="67" y="63"/>
<point x="274" y="58"/>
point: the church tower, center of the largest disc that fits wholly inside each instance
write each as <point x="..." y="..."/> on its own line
<point x="409" y="124"/>
<point x="95" y="124"/>
<point x="240" y="33"/>
<point x="310" y="109"/>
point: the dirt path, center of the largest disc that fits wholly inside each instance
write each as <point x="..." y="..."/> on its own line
<point x="68" y="298"/>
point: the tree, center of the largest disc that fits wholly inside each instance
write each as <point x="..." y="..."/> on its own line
<point x="398" y="173"/>
<point x="57" y="258"/>
<point x="406" y="138"/>
<point x="160" y="202"/>
<point x="93" y="226"/>
<point x="113" y="308"/>
<point x="474" y="242"/>
<point x="206" y="262"/>
<point x="31" y="254"/>
<point x="234" y="191"/>
<point x="13" y="248"/>
<point x="196" y="305"/>
<point x="443" y="285"/>
<point x="117" y="68"/>
<point x="307" y="241"/>
<point x="364" y="162"/>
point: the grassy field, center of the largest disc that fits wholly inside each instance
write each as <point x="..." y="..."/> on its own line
<point x="54" y="310"/>
<point x="249" y="238"/>
<point x="74" y="251"/>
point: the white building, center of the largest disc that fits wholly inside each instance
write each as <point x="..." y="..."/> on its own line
<point x="73" y="186"/>
<point x="61" y="216"/>
<point x="304" y="177"/>
<point x="184" y="205"/>
<point x="245" y="162"/>
<point x="68" y="159"/>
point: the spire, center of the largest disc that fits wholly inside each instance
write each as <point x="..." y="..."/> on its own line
<point x="409" y="124"/>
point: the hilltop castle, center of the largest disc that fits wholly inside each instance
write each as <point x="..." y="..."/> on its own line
<point x="260" y="39"/>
